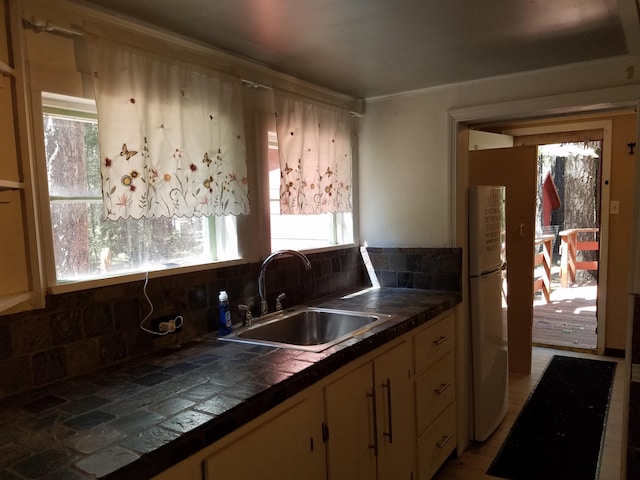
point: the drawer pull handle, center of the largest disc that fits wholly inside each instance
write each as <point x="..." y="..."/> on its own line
<point x="374" y="408"/>
<point x="389" y="435"/>
<point x="441" y="340"/>
<point x="443" y="441"/>
<point x="442" y="388"/>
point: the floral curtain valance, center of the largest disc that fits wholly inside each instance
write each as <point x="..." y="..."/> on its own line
<point x="314" y="144"/>
<point x="171" y="136"/>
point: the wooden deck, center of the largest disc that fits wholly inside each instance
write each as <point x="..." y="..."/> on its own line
<point x="568" y="321"/>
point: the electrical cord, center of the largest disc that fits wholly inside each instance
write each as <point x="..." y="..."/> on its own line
<point x="164" y="327"/>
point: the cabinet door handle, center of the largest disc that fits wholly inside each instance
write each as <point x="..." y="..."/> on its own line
<point x="443" y="441"/>
<point x="441" y="340"/>
<point x="374" y="446"/>
<point x="440" y="390"/>
<point x="389" y="435"/>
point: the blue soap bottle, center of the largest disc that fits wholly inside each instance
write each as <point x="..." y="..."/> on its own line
<point x="224" y="327"/>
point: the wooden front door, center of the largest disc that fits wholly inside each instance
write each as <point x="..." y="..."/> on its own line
<point x="515" y="168"/>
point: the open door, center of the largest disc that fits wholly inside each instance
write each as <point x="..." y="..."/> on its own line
<point x="516" y="169"/>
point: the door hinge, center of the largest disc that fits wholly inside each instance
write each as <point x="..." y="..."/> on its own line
<point x="325" y="432"/>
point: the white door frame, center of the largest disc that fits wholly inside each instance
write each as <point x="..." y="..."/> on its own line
<point x="591" y="101"/>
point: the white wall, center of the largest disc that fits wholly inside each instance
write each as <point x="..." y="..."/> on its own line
<point x="405" y="168"/>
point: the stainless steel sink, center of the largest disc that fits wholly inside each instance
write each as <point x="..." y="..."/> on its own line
<point x="310" y="329"/>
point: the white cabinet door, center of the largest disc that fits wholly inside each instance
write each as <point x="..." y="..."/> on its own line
<point x="396" y="424"/>
<point x="370" y="417"/>
<point x="351" y="446"/>
<point x="286" y="447"/>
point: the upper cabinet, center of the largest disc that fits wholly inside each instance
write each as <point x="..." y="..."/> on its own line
<point x="19" y="287"/>
<point x="9" y="171"/>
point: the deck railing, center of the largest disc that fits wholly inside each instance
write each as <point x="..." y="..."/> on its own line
<point x="570" y="245"/>
<point x="543" y="257"/>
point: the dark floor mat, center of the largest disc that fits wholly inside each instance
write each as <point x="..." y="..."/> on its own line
<point x="559" y="432"/>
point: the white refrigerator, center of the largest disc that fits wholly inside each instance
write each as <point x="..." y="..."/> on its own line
<point x="489" y="361"/>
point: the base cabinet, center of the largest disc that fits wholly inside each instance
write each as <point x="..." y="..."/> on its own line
<point x="437" y="443"/>
<point x="287" y="446"/>
<point x="349" y="415"/>
<point x="369" y="419"/>
<point x="435" y="394"/>
<point x="387" y="416"/>
<point x="284" y="443"/>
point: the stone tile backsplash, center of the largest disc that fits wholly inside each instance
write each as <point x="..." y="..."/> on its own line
<point x="425" y="268"/>
<point x="81" y="332"/>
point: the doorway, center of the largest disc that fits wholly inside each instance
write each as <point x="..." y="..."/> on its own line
<point x="565" y="195"/>
<point x="608" y="104"/>
<point x="571" y="168"/>
<point x="568" y="211"/>
<point x="618" y="129"/>
<point x="575" y="316"/>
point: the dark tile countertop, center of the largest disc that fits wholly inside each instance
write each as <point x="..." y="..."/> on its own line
<point x="138" y="419"/>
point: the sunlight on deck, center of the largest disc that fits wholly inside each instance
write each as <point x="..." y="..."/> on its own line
<point x="569" y="319"/>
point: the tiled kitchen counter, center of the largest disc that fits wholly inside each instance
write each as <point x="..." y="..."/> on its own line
<point x="138" y="419"/>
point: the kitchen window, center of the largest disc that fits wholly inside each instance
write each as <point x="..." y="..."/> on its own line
<point x="85" y="245"/>
<point x="302" y="232"/>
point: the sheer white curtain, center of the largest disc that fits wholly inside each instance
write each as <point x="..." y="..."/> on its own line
<point x="314" y="144"/>
<point x="171" y="136"/>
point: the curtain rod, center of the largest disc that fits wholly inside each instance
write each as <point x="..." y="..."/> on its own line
<point x="252" y="84"/>
<point x="39" y="24"/>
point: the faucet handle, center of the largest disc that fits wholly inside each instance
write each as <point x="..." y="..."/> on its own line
<point x="247" y="318"/>
<point x="279" y="299"/>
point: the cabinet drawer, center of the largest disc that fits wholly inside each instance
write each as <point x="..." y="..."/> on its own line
<point x="437" y="443"/>
<point x="435" y="390"/>
<point x="434" y="342"/>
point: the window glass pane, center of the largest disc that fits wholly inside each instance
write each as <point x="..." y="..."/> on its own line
<point x="87" y="246"/>
<point x="73" y="161"/>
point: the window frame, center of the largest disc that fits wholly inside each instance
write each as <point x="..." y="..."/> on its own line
<point x="83" y="108"/>
<point x="62" y="66"/>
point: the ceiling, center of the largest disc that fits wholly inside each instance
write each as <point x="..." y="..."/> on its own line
<point x="370" y="48"/>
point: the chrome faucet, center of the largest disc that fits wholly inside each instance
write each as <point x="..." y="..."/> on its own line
<point x="264" y="308"/>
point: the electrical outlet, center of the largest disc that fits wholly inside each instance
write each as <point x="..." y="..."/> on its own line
<point x="166" y="324"/>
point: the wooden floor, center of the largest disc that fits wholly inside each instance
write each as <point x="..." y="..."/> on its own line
<point x="475" y="461"/>
<point x="568" y="321"/>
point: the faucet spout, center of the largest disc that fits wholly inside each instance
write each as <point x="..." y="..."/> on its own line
<point x="261" y="277"/>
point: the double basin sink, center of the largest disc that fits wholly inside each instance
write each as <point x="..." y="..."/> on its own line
<point x="308" y="328"/>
